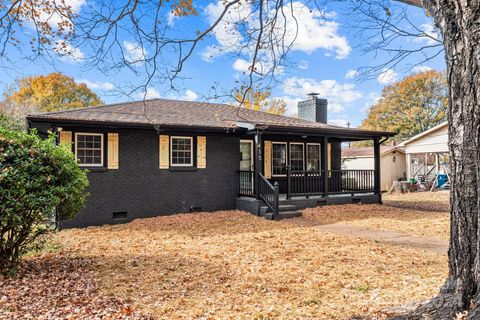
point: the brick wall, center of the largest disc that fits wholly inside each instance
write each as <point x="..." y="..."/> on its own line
<point x="141" y="189"/>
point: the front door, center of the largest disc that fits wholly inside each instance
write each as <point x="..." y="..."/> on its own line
<point x="246" y="166"/>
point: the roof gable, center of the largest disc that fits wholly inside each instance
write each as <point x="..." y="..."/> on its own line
<point x="424" y="133"/>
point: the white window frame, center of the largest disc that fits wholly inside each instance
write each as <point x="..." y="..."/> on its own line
<point x="252" y="156"/>
<point x="191" y="152"/>
<point x="101" y="149"/>
<point x="286" y="155"/>
<point x="290" y="155"/>
<point x="319" y="154"/>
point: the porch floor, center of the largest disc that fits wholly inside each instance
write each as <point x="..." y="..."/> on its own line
<point x="258" y="207"/>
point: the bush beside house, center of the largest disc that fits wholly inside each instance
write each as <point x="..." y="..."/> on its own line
<point x="40" y="184"/>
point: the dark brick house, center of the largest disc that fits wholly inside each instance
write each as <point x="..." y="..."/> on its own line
<point x="162" y="157"/>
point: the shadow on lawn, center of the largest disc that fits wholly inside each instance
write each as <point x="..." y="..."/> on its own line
<point x="198" y="225"/>
<point x="352" y="212"/>
<point x="430" y="206"/>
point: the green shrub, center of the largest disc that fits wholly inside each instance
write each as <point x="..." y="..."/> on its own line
<point x="40" y="184"/>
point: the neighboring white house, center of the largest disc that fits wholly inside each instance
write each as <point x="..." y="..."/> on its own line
<point x="392" y="162"/>
<point x="427" y="153"/>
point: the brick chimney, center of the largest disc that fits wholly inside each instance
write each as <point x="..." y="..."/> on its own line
<point x="313" y="109"/>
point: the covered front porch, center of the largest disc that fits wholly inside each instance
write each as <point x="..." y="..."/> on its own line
<point x="284" y="171"/>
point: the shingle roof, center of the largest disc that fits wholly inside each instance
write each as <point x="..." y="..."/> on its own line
<point x="163" y="112"/>
<point x="368" y="151"/>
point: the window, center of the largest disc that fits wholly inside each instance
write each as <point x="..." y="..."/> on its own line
<point x="279" y="158"/>
<point x="296" y="156"/>
<point x="313" y="157"/>
<point x="89" y="149"/>
<point x="181" y="151"/>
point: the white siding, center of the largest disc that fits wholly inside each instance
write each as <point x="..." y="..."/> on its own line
<point x="366" y="163"/>
<point x="437" y="141"/>
<point x="390" y="171"/>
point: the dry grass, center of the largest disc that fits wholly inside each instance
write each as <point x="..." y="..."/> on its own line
<point x="424" y="201"/>
<point x="232" y="265"/>
<point x="414" y="214"/>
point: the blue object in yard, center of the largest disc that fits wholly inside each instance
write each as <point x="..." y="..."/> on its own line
<point x="441" y="180"/>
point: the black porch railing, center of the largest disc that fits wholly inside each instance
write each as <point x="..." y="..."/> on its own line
<point x="247" y="183"/>
<point x="269" y="194"/>
<point x="309" y="183"/>
<point x="351" y="181"/>
<point x="304" y="183"/>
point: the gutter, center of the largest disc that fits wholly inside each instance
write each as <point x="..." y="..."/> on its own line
<point x="122" y="125"/>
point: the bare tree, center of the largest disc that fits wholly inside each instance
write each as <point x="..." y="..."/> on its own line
<point x="136" y="35"/>
<point x="262" y="33"/>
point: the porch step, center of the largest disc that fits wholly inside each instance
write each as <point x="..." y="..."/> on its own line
<point x="281" y="208"/>
<point x="284" y="214"/>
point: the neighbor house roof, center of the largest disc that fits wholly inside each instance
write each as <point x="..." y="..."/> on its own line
<point x="424" y="133"/>
<point x="367" y="152"/>
<point x="175" y="113"/>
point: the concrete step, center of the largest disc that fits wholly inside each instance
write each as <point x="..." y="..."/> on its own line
<point x="284" y="214"/>
<point x="281" y="208"/>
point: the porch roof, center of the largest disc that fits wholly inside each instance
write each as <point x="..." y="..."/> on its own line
<point x="165" y="113"/>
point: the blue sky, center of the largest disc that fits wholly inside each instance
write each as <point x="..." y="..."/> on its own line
<point x="325" y="59"/>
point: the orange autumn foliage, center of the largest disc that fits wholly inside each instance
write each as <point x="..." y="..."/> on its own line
<point x="259" y="100"/>
<point x="53" y="92"/>
<point x="410" y="106"/>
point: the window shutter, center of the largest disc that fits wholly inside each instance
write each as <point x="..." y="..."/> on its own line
<point x="113" y="151"/>
<point x="201" y="152"/>
<point x="164" y="148"/>
<point x="267" y="165"/>
<point x="329" y="157"/>
<point x="66" y="138"/>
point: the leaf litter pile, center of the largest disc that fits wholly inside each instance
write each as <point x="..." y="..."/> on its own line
<point x="59" y="286"/>
<point x="221" y="265"/>
<point x="414" y="213"/>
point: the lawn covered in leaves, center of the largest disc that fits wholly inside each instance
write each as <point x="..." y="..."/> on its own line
<point x="421" y="214"/>
<point x="222" y="265"/>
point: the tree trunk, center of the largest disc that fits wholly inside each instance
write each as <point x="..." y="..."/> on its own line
<point x="459" y="21"/>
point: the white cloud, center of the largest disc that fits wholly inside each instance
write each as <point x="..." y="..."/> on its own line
<point x="241" y="65"/>
<point x="56" y="19"/>
<point x="68" y="53"/>
<point x="97" y="85"/>
<point x="309" y="29"/>
<point x="432" y="34"/>
<point x="314" y="31"/>
<point x="227" y="35"/>
<point x="421" y="68"/>
<point x="59" y="22"/>
<point x="189" y="96"/>
<point x="150" y="93"/>
<point x="339" y="95"/>
<point x="261" y="67"/>
<point x="351" y="73"/>
<point x="134" y="52"/>
<point x="171" y="19"/>
<point x="303" y="64"/>
<point x="388" y="76"/>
